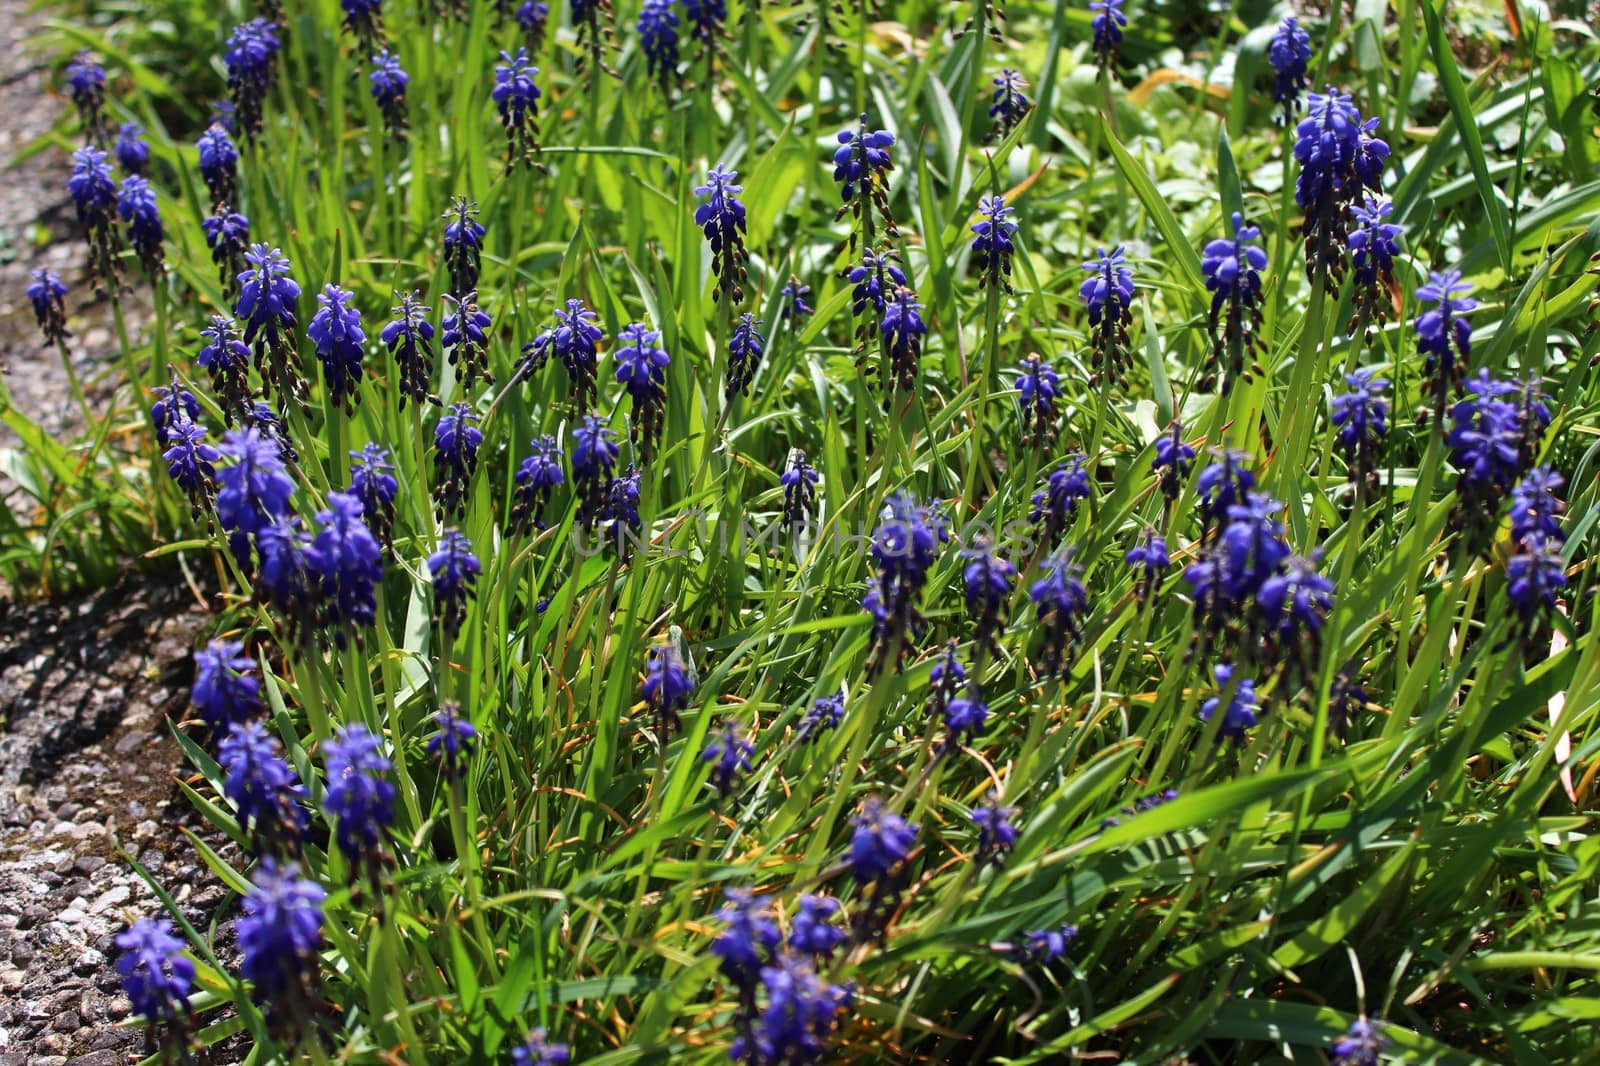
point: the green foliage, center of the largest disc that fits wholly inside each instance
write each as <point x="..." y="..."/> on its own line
<point x="1434" y="865"/>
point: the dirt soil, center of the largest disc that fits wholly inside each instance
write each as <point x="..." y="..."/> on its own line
<point x="88" y="766"/>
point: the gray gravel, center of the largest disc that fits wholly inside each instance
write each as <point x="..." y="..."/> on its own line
<point x="88" y="766"/>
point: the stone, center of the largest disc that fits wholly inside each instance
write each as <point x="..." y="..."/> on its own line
<point x="115" y="896"/>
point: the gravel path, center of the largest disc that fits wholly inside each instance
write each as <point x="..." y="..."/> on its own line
<point x="38" y="229"/>
<point x="87" y="767"/>
<point x="87" y="762"/>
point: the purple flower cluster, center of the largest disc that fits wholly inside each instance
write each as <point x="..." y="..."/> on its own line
<point x="1341" y="158"/>
<point x="1232" y="268"/>
<point x="904" y="547"/>
<point x="1108" y="296"/>
<point x="722" y="219"/>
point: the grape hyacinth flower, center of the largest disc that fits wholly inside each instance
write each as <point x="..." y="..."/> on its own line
<point x="47" y="295"/>
<point x="1485" y="442"/>
<point x="1293" y="606"/>
<point x="1373" y="245"/>
<point x="456" y="440"/>
<point x="372" y="482"/>
<point x="996" y="834"/>
<point x="1361" y="1045"/>
<point x="409" y="338"/>
<point x="658" y="39"/>
<point x="861" y="166"/>
<point x="1056" y="505"/>
<point x="268" y="798"/>
<point x="156" y="976"/>
<point x="1535" y="576"/>
<point x="745" y="347"/>
<point x="1252" y="546"/>
<point x="227" y="359"/>
<point x="1008" y="105"/>
<point x="1290" y="56"/>
<point x="904" y="548"/>
<point x="267" y="296"/>
<point x="1444" y="335"/>
<point x="1107" y="25"/>
<point x="796" y="303"/>
<point x="1224" y="482"/>
<point x="388" y="82"/>
<point x="175" y="407"/>
<point x="136" y="204"/>
<point x="1108" y="295"/>
<point x="993" y="247"/>
<point x="880" y="846"/>
<point x="594" y="454"/>
<point x="348" y="563"/>
<point x="668" y="682"/>
<point x="94" y="196"/>
<point x="1040" y="947"/>
<point x="1240" y="713"/>
<point x="1142" y="804"/>
<point x="1535" y="507"/>
<point x="133" y="154"/>
<point x="812" y="932"/>
<point x="539" y="1049"/>
<point x="516" y="97"/>
<point x="722" y="219"/>
<point x="877" y="277"/>
<point x="1232" y="269"/>
<point x="729" y="755"/>
<point x="591" y="25"/>
<point x="1532" y="405"/>
<point x="219" y="163"/>
<point x="227" y="235"/>
<point x="1149" y="560"/>
<point x="252" y="61"/>
<point x="86" y="80"/>
<point x="335" y="330"/>
<point x="455" y="741"/>
<point x="265" y="421"/>
<point x="465" y="339"/>
<point x="285" y="578"/>
<point x="191" y="463"/>
<point x="964" y="715"/>
<point x="364" y="20"/>
<point x="454" y="571"/>
<point x="463" y="246"/>
<point x="1038" y="389"/>
<point x="824" y="714"/>
<point x="1339" y="156"/>
<point x="642" y="370"/>
<point x="536" y="479"/>
<point x="705" y="19"/>
<point x="575" y="340"/>
<point x="533" y="17"/>
<point x="800" y="1015"/>
<point x="1062" y="604"/>
<point x="1172" y="461"/>
<point x="280" y="937"/>
<point x="254" y="489"/>
<point x="621" y="513"/>
<point x="359" y="797"/>
<point x="903" y="330"/>
<point x="1361" y="417"/>
<point x="799" y="481"/>
<point x="750" y="939"/>
<point x="988" y="579"/>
